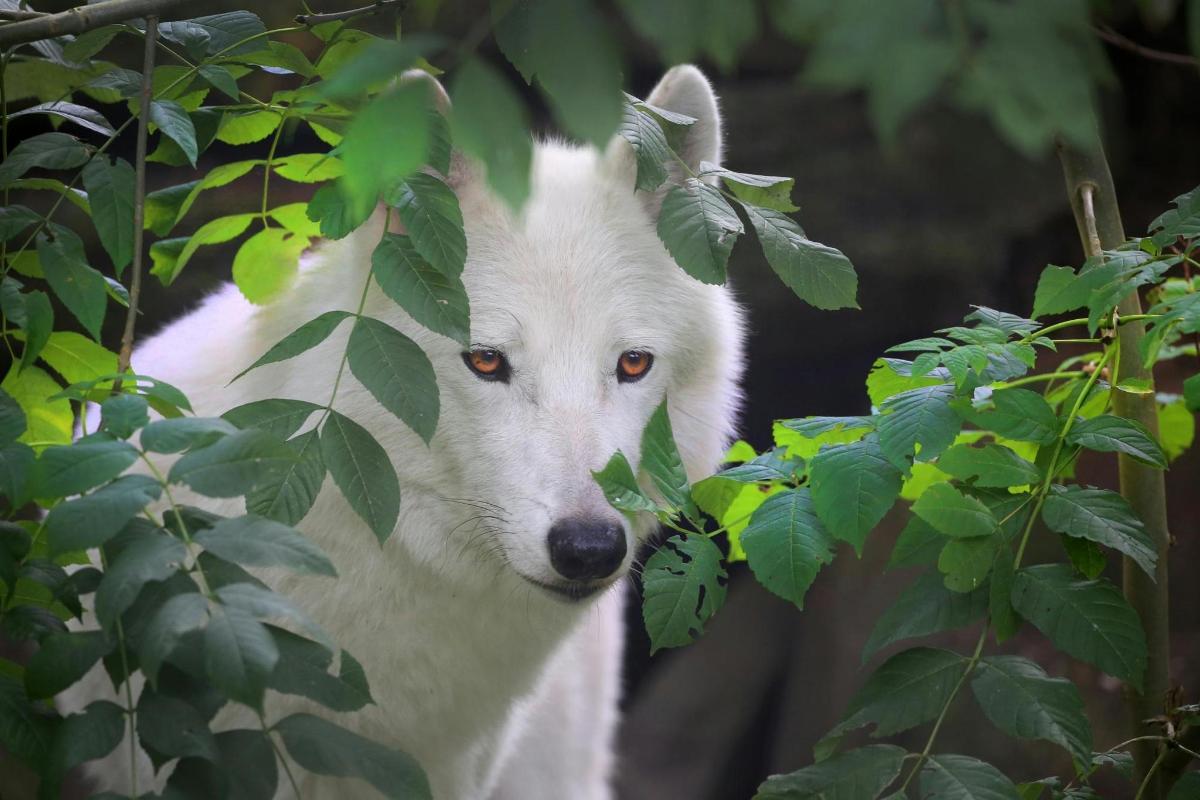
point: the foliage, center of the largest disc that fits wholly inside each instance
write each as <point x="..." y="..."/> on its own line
<point x="959" y="432"/>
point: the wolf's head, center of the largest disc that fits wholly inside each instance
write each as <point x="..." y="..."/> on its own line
<point x="581" y="323"/>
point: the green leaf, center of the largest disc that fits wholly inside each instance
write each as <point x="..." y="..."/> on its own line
<point x="216" y="33"/>
<point x="303" y="670"/>
<point x="786" y="544"/>
<point x="68" y="470"/>
<point x="908" y="689"/>
<point x="920" y="416"/>
<point x="431" y="216"/>
<point x="12" y="418"/>
<point x="124" y="414"/>
<point x="699" y="229"/>
<point x="1111" y="434"/>
<point x="301" y="340"/>
<point x="1191" y="393"/>
<point x="146" y="557"/>
<point x="919" y="543"/>
<point x="620" y="486"/>
<point x="289" y="499"/>
<point x="78" y="358"/>
<point x="992" y="465"/>
<point x="263" y="604"/>
<point x="1021" y="700"/>
<point x="39" y="326"/>
<point x="362" y="470"/>
<point x="1059" y="289"/>
<point x="221" y="229"/>
<point x="80" y="115"/>
<point x="267" y="263"/>
<point x="278" y="417"/>
<point x="233" y="465"/>
<point x="47" y="420"/>
<point x="110" y="191"/>
<point x="253" y="126"/>
<point x="923" y="608"/>
<point x="1188" y="784"/>
<point x="853" y="486"/>
<point x="62" y="659"/>
<point x="172" y="728"/>
<point x="860" y="773"/>
<point x="82" y="737"/>
<point x="324" y="748"/>
<point x="433" y="298"/>
<point x="1184" y="219"/>
<point x="174" y="122"/>
<point x="953" y="513"/>
<point x="1003" y="616"/>
<point x="221" y="79"/>
<point x="87" y="44"/>
<point x="951" y="777"/>
<point x="683" y="586"/>
<point x="386" y="142"/>
<point x="308" y="167"/>
<point x="651" y="151"/>
<point x="1089" y="620"/>
<point x="1019" y="414"/>
<point x="294" y="217"/>
<point x="662" y="462"/>
<point x="684" y="30"/>
<point x="93" y="519"/>
<point x="179" y="615"/>
<point x="333" y="208"/>
<point x="891" y="376"/>
<point x="239" y="654"/>
<point x="78" y="286"/>
<point x="376" y="63"/>
<point x="966" y="562"/>
<point x="1176" y="427"/>
<point x="253" y="541"/>
<point x="764" y="191"/>
<point x="1103" y="517"/>
<point x="183" y="433"/>
<point x="46" y="150"/>
<point x="819" y="275"/>
<point x="568" y="46"/>
<point x="396" y="372"/>
<point x="16" y="463"/>
<point x="489" y="122"/>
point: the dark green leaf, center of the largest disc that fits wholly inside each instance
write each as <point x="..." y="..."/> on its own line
<point x="46" y="150"/>
<point x="489" y="122"/>
<point x="233" y="465"/>
<point x="853" y="486"/>
<point x="12" y="418"/>
<point x="216" y="33"/>
<point x="684" y="585"/>
<point x="239" y="654"/>
<point x="146" y="557"/>
<point x="72" y="112"/>
<point x="183" y="433"/>
<point x="925" y="607"/>
<point x="431" y="216"/>
<point x="39" y="324"/>
<point x="854" y="775"/>
<point x="78" y="286"/>
<point x="396" y="372"/>
<point x="433" y="298"/>
<point x="291" y="497"/>
<point x="124" y="414"/>
<point x="62" y="659"/>
<point x="699" y="229"/>
<point x="222" y="79"/>
<point x="82" y="737"/>
<point x="786" y="544"/>
<point x="920" y="416"/>
<point x="967" y="562"/>
<point x="16" y="464"/>
<point x="362" y="470"/>
<point x="1087" y="619"/>
<point x="278" y="417"/>
<point x="819" y="275"/>
<point x="93" y="519"/>
<point x="177" y="616"/>
<point x="324" y="748"/>
<point x="303" y="670"/>
<point x="919" y="543"/>
<point x="87" y="44"/>
<point x="951" y="777"/>
<point x="1100" y="516"/>
<point x="1019" y="414"/>
<point x="174" y="122"/>
<point x="1023" y="701"/>
<point x="992" y="465"/>
<point x="1111" y="434"/>
<point x="643" y="132"/>
<point x="110" y="191"/>
<point x="1003" y="616"/>
<point x="67" y="470"/>
<point x="264" y="604"/>
<point x="953" y="513"/>
<point x="257" y="542"/>
<point x="662" y="462"/>
<point x="173" y="728"/>
<point x="25" y="730"/>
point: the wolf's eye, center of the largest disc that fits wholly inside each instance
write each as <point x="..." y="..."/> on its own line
<point x="491" y="365"/>
<point x="633" y="365"/>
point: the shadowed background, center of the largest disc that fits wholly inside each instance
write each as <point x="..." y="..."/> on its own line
<point x="947" y="216"/>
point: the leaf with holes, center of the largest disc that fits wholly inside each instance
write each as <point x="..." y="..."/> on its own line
<point x="620" y="486"/>
<point x="684" y="585"/>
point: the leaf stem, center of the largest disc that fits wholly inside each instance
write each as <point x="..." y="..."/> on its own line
<point x="1048" y="376"/>
<point x="201" y="578"/>
<point x="287" y="770"/>
<point x="1141" y="792"/>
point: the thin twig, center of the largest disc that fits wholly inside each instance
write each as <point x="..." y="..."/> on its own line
<point x="82" y="19"/>
<point x="139" y="201"/>
<point x="335" y="16"/>
<point x="1112" y="37"/>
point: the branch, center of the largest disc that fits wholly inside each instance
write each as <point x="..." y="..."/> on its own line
<point x="139" y="200"/>
<point x="20" y="14"/>
<point x="81" y="19"/>
<point x="1094" y="201"/>
<point x="1178" y="758"/>
<point x="334" y="16"/>
<point x="1112" y="37"/>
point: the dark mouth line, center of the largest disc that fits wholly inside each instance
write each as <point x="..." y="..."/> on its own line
<point x="573" y="592"/>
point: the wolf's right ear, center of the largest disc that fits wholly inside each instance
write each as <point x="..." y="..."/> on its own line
<point x="462" y="170"/>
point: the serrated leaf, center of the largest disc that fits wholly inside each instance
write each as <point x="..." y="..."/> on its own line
<point x="301" y="340"/>
<point x="93" y="519"/>
<point x="662" y="462"/>
<point x="124" y="414"/>
<point x="967" y="562"/>
<point x="853" y="486"/>
<point x="362" y="470"/>
<point x="764" y="191"/>
<point x="239" y="654"/>
<point x="262" y="603"/>
<point x="992" y="465"/>
<point x="1019" y="414"/>
<point x="699" y="229"/>
<point x="80" y="288"/>
<point x="920" y="416"/>
<point x="266" y="264"/>
<point x="925" y="607"/>
<point x="181" y="433"/>
<point x="290" y="499"/>
<point x="819" y="275"/>
<point x="338" y="215"/>
<point x="67" y="470"/>
<point x="1103" y="517"/>
<point x="216" y="231"/>
<point x="1021" y="700"/>
<point x="224" y="33"/>
<point x="78" y="358"/>
<point x="62" y="659"/>
<point x="82" y="737"/>
<point x="253" y="126"/>
<point x="145" y="558"/>
<point x="786" y="544"/>
<point x="856" y="774"/>
<point x="165" y="629"/>
<point x="1087" y="619"/>
<point x="254" y="541"/>
<point x="683" y="586"/>
<point x="324" y="748"/>
<point x="433" y="298"/>
<point x="303" y="669"/>
<point x="433" y="220"/>
<point x="396" y="372"/>
<point x="387" y="141"/>
<point x="918" y="543"/>
<point x="46" y="150"/>
<point x="953" y="513"/>
<point x="952" y="777"/>
<point x="233" y="465"/>
<point x="110" y="191"/>
<point x="643" y="132"/>
<point x="1112" y="434"/>
<point x="1003" y="616"/>
<point x="173" y="120"/>
<point x="278" y="417"/>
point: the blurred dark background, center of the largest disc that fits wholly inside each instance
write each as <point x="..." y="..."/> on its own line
<point x="947" y="216"/>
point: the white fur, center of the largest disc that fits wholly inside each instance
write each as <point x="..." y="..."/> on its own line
<point x="499" y="688"/>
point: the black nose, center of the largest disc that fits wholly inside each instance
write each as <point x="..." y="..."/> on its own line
<point x="586" y="549"/>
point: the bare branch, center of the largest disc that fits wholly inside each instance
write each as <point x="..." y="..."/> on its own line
<point x="1117" y="40"/>
<point x="20" y="14"/>
<point x="334" y="16"/>
<point x="81" y="19"/>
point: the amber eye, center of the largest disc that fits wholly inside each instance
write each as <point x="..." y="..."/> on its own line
<point x="491" y="365"/>
<point x="633" y="365"/>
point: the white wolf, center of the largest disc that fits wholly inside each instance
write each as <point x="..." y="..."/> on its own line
<point x="493" y="645"/>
